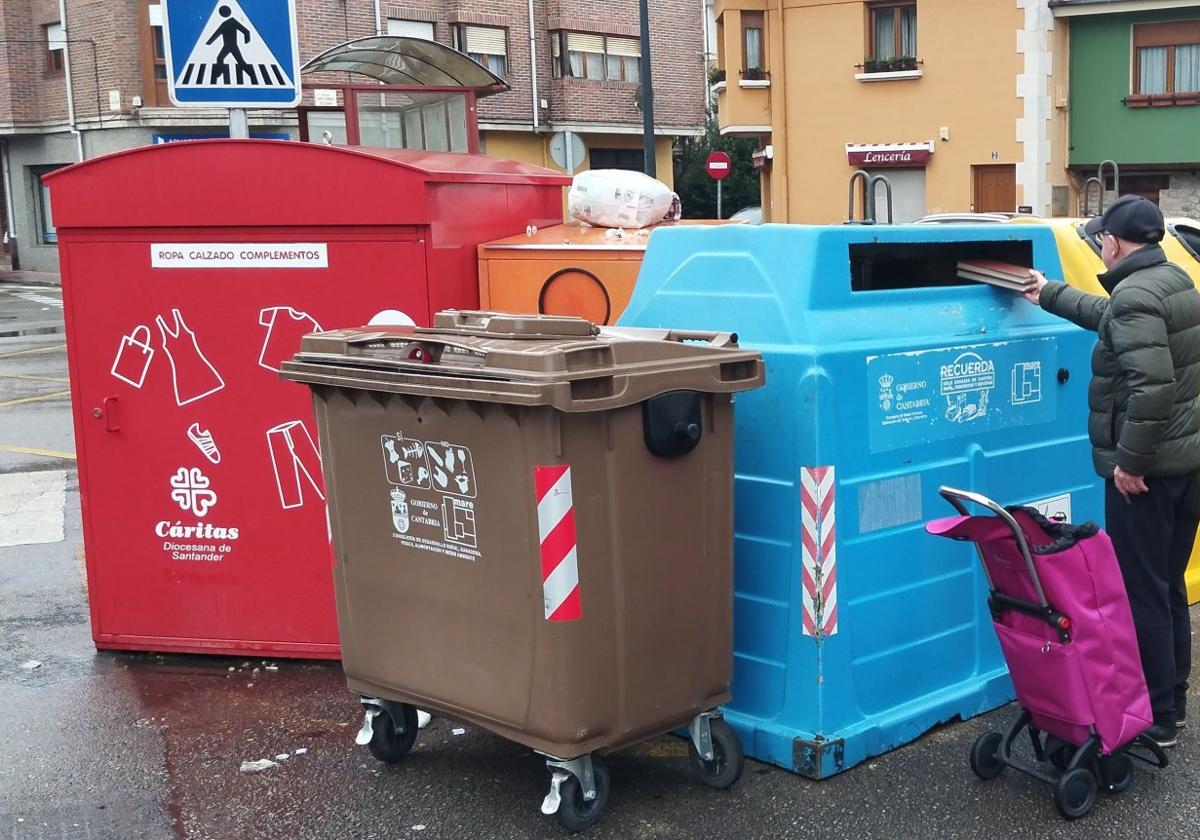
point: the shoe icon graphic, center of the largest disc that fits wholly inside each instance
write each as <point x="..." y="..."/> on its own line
<point x="204" y="442"/>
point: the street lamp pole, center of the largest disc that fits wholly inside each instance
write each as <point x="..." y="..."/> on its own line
<point x="647" y="93"/>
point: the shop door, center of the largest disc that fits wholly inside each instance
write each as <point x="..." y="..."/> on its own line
<point x="908" y="196"/>
<point x="995" y="188"/>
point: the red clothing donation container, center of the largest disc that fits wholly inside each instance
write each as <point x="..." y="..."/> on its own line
<point x="190" y="270"/>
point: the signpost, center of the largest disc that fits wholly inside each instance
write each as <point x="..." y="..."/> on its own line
<point x="567" y="150"/>
<point x="218" y="55"/>
<point x="718" y="166"/>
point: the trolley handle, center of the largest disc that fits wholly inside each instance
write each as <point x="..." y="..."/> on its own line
<point x="958" y="497"/>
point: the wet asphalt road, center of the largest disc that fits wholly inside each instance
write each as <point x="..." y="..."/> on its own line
<point x="140" y="746"/>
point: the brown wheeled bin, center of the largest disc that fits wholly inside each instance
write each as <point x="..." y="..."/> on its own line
<point x="533" y="528"/>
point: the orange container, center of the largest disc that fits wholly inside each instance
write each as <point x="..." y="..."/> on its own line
<point x="569" y="269"/>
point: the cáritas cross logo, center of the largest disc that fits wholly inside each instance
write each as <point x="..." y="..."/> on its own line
<point x="192" y="491"/>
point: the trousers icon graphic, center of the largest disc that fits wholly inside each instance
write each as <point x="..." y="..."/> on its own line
<point x="296" y="461"/>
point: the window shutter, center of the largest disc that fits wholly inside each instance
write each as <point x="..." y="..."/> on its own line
<point x="630" y="47"/>
<point x="579" y="42"/>
<point x="410" y="29"/>
<point x="488" y="40"/>
<point x="55" y="39"/>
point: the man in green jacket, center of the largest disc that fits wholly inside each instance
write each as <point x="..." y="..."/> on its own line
<point x="1144" y="427"/>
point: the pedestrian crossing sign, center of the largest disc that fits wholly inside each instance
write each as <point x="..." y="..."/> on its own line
<point x="232" y="53"/>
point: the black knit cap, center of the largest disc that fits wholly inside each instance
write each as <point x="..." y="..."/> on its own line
<point x="1130" y="217"/>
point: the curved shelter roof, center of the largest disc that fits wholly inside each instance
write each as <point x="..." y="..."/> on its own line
<point x="398" y="60"/>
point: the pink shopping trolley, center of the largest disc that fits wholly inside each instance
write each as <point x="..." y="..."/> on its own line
<point x="1059" y="607"/>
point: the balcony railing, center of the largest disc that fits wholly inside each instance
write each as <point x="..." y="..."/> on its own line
<point x="754" y="74"/>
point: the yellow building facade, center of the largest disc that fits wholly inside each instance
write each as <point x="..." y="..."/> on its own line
<point x="961" y="104"/>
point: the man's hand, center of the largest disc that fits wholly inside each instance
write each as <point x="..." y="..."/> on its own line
<point x="1129" y="485"/>
<point x="1034" y="285"/>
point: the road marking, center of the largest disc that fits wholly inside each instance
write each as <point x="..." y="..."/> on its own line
<point x="29" y="450"/>
<point x="38" y="398"/>
<point x="30" y="378"/>
<point x="33" y="297"/>
<point x="24" y="287"/>
<point x="32" y="350"/>
<point x="32" y="507"/>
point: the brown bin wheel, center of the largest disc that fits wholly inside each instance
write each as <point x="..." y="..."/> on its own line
<point x="728" y="759"/>
<point x="389" y="745"/>
<point x="576" y="813"/>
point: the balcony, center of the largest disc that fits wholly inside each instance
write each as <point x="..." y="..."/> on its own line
<point x="745" y="108"/>
<point x="742" y="80"/>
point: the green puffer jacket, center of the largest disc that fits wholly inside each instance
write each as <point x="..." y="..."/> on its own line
<point x="1145" y="414"/>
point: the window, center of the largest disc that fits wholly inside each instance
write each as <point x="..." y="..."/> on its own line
<point x="634" y="159"/>
<point x="579" y="55"/>
<point x="487" y="45"/>
<point x="893" y="30"/>
<point x="752" y="43"/>
<point x="1166" y="58"/>
<point x="153" y="54"/>
<point x="410" y="29"/>
<point x="160" y="55"/>
<point x="41" y="200"/>
<point x="56" y="45"/>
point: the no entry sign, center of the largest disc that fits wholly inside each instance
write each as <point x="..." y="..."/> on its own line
<point x="717" y="166"/>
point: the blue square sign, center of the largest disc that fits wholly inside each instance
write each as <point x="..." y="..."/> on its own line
<point x="232" y="53"/>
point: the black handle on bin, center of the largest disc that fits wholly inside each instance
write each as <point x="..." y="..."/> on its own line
<point x="716" y="339"/>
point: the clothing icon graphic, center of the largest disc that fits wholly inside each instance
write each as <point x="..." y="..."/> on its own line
<point x="193" y="375"/>
<point x="453" y="471"/>
<point x="404" y="461"/>
<point x="133" y="356"/>
<point x="285" y="327"/>
<point x="204" y="442"/>
<point x="296" y="460"/>
<point x="192" y="491"/>
<point x="230" y="52"/>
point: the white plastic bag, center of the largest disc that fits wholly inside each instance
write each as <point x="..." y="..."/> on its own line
<point x="618" y="198"/>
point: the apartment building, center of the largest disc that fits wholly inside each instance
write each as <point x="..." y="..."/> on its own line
<point x="1135" y="88"/>
<point x="957" y="103"/>
<point x="80" y="78"/>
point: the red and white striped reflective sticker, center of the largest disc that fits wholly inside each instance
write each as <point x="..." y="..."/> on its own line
<point x="819" y="538"/>
<point x="556" y="532"/>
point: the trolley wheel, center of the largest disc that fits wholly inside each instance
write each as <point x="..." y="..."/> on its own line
<point x="728" y="761"/>
<point x="1116" y="772"/>
<point x="576" y="813"/>
<point x="388" y="745"/>
<point x="1075" y="793"/>
<point x="985" y="756"/>
<point x="1058" y="752"/>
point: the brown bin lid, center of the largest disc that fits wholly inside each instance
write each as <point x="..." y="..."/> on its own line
<point x="563" y="362"/>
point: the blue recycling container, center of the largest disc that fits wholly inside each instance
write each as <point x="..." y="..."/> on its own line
<point x="887" y="377"/>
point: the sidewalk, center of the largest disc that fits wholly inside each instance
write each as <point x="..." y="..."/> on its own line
<point x="30" y="278"/>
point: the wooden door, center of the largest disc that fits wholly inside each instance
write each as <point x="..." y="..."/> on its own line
<point x="153" y="56"/>
<point x="995" y="188"/>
